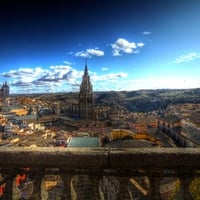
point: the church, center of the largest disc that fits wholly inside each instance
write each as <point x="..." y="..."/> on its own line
<point x="86" y="97"/>
<point x="5" y="90"/>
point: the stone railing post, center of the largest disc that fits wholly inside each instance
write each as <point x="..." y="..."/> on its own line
<point x="67" y="178"/>
<point x="185" y="193"/>
<point x="95" y="193"/>
<point x="8" y="193"/>
<point x="36" y="177"/>
<point x="123" y="188"/>
<point x="154" y="189"/>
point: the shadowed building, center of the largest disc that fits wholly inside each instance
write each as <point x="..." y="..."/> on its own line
<point x="86" y="100"/>
<point x="4" y="91"/>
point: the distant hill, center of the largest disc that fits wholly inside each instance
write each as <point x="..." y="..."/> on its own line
<point x="134" y="101"/>
<point x="148" y="100"/>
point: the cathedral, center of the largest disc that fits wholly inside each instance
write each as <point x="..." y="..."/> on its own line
<point x="86" y="99"/>
<point x="4" y="91"/>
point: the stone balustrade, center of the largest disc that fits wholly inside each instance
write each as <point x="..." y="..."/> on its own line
<point x="100" y="173"/>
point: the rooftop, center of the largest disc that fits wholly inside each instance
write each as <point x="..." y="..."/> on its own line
<point x="130" y="144"/>
<point x="84" y="142"/>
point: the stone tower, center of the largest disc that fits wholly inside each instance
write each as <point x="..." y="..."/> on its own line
<point x="5" y="90"/>
<point x="86" y="99"/>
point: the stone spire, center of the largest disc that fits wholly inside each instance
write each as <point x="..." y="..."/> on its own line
<point x="86" y="100"/>
<point x="86" y="68"/>
<point x="4" y="90"/>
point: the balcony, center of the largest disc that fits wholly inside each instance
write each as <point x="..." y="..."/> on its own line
<point x="99" y="173"/>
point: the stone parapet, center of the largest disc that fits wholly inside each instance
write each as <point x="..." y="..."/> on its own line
<point x="84" y="171"/>
<point x="100" y="158"/>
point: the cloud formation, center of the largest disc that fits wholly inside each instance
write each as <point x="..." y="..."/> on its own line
<point x="33" y="80"/>
<point x="104" y="68"/>
<point x="67" y="62"/>
<point x="187" y="57"/>
<point x="64" y="78"/>
<point x="108" y="82"/>
<point x="146" y="33"/>
<point x="122" y="45"/>
<point x="88" y="53"/>
<point x="162" y="83"/>
<point x="56" y="78"/>
<point x="108" y="77"/>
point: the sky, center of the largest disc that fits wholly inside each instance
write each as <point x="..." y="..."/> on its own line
<point x="129" y="44"/>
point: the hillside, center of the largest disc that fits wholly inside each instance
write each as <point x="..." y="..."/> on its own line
<point x="134" y="101"/>
<point x="148" y="100"/>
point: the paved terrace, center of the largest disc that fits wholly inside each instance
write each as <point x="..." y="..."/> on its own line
<point x="183" y="163"/>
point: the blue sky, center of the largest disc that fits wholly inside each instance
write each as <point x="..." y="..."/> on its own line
<point x="129" y="44"/>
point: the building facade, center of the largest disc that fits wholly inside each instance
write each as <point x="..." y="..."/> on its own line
<point x="5" y="90"/>
<point x="86" y="97"/>
<point x="185" y="134"/>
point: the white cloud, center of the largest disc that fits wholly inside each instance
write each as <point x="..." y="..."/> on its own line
<point x="82" y="54"/>
<point x="104" y="69"/>
<point x="25" y="74"/>
<point x="147" y="83"/>
<point x="187" y="57"/>
<point x="122" y="45"/>
<point x="146" y="33"/>
<point x="140" y="44"/>
<point x="95" y="52"/>
<point x="108" y="77"/>
<point x="88" y="53"/>
<point x="64" y="78"/>
<point x="33" y="80"/>
<point x="161" y="83"/>
<point x="116" y="52"/>
<point x="107" y="82"/>
<point x="56" y="78"/>
<point x="67" y="62"/>
<point x="70" y="53"/>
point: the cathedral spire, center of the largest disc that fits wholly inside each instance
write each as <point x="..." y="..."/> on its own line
<point x="86" y="100"/>
<point x="86" y="68"/>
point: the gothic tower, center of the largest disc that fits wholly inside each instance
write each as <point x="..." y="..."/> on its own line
<point x="4" y="91"/>
<point x="86" y="100"/>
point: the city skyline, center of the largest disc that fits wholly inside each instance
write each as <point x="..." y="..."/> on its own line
<point x="129" y="45"/>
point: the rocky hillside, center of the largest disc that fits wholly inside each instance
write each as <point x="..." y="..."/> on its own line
<point x="134" y="101"/>
<point x="148" y="100"/>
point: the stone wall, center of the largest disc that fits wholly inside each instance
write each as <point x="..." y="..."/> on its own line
<point x="99" y="158"/>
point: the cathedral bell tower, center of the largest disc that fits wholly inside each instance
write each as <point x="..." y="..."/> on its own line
<point x="4" y="90"/>
<point x="86" y="100"/>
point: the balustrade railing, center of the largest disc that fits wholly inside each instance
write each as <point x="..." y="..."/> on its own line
<point x="99" y="173"/>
